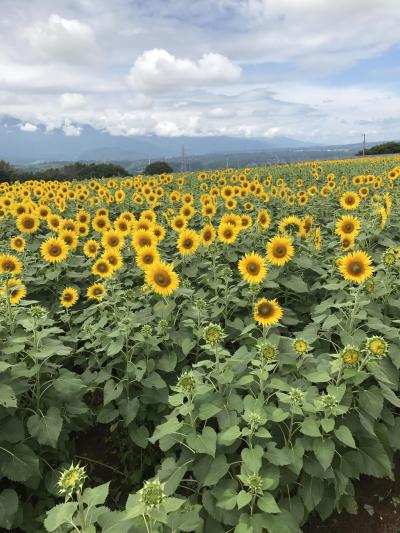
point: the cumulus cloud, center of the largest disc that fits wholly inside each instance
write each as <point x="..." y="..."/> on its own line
<point x="27" y="126"/>
<point x="65" y="40"/>
<point x="71" y="130"/>
<point x="158" y="70"/>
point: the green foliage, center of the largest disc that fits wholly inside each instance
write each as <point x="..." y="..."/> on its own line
<point x="384" y="148"/>
<point x="157" y="167"/>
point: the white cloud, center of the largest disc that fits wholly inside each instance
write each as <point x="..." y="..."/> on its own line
<point x="70" y="130"/>
<point x="65" y="40"/>
<point x="158" y="70"/>
<point x="27" y="126"/>
<point x="72" y="100"/>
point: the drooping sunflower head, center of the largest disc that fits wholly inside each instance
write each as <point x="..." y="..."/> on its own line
<point x="188" y="242"/>
<point x="356" y="266"/>
<point x="280" y="250"/>
<point x="252" y="268"/>
<point x="10" y="264"/>
<point x="69" y="297"/>
<point x="96" y="291"/>
<point x="267" y="312"/>
<point x="162" y="278"/>
<point x="147" y="256"/>
<point x="14" y="290"/>
<point x="291" y="225"/>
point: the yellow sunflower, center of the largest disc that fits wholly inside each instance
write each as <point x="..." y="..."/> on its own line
<point x="27" y="223"/>
<point x="70" y="238"/>
<point x="91" y="248"/>
<point x="356" y="266"/>
<point x="227" y="233"/>
<point x="18" y="244"/>
<point x="10" y="264"/>
<point x="147" y="256"/>
<point x="188" y="242"/>
<point x="13" y="289"/>
<point x="102" y="268"/>
<point x="69" y="297"/>
<point x="162" y="278"/>
<point x="114" y="257"/>
<point x="143" y="238"/>
<point x="291" y="224"/>
<point x="267" y="312"/>
<point x="280" y="250"/>
<point x="349" y="200"/>
<point x="252" y="268"/>
<point x="348" y="226"/>
<point x="96" y="292"/>
<point x="54" y="250"/>
<point x="207" y="235"/>
<point x="112" y="239"/>
<point x="264" y="219"/>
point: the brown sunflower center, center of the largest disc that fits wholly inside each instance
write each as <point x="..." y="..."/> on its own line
<point x="144" y="241"/>
<point x="162" y="279"/>
<point x="55" y="250"/>
<point x="228" y="233"/>
<point x="348" y="227"/>
<point x="28" y="223"/>
<point x="179" y="223"/>
<point x="8" y="265"/>
<point x="113" y="241"/>
<point x="97" y="291"/>
<point x="207" y="235"/>
<point x="265" y="310"/>
<point x="349" y="200"/>
<point x="67" y="297"/>
<point x="253" y="268"/>
<point x="279" y="250"/>
<point x="102" y="267"/>
<point x="356" y="268"/>
<point x="148" y="259"/>
<point x="187" y="244"/>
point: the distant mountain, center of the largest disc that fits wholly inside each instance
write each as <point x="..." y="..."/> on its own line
<point x="94" y="145"/>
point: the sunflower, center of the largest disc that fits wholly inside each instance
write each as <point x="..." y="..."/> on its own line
<point x="188" y="242"/>
<point x="267" y="312"/>
<point x="263" y="219"/>
<point x="69" y="297"/>
<point x="376" y="346"/>
<point x="27" y="223"/>
<point x="54" y="250"/>
<point x="350" y="355"/>
<point x="91" y="248"/>
<point x="291" y="224"/>
<point x="70" y="238"/>
<point x="347" y="226"/>
<point x="100" y="223"/>
<point x="349" y="200"/>
<point x="18" y="244"/>
<point x="102" y="268"/>
<point x="279" y="250"/>
<point x="252" y="268"/>
<point x="207" y="235"/>
<point x="246" y="222"/>
<point x="307" y="224"/>
<point x="159" y="232"/>
<point x="112" y="239"/>
<point x="227" y="233"/>
<point x="114" y="257"/>
<point x="356" y="266"/>
<point x="162" y="278"/>
<point x="317" y="238"/>
<point x="96" y="292"/>
<point x="179" y="223"/>
<point x="14" y="289"/>
<point x="54" y="222"/>
<point x="10" y="264"/>
<point x="147" y="256"/>
<point x="346" y="243"/>
<point x="143" y="238"/>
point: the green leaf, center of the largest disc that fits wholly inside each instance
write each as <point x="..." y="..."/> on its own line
<point x="278" y="456"/>
<point x="112" y="391"/>
<point x="328" y="424"/>
<point x="8" y="507"/>
<point x="295" y="284"/>
<point x="218" y="468"/>
<point x="7" y="396"/>
<point x="228" y="436"/>
<point x="318" y="377"/>
<point x="96" y="496"/>
<point x="59" y="515"/>
<point x="311" y="492"/>
<point x="243" y="499"/>
<point x="252" y="458"/>
<point x="20" y="464"/>
<point x="171" y="474"/>
<point x="154" y="381"/>
<point x="4" y="366"/>
<point x="324" y="450"/>
<point x="46" y="428"/>
<point x="208" y="410"/>
<point x="343" y="434"/>
<point x="268" y="504"/>
<point x="371" y="401"/>
<point x="330" y="322"/>
<point x="310" y="427"/>
<point x="187" y="345"/>
<point x="204" y="443"/>
<point x="169" y="427"/>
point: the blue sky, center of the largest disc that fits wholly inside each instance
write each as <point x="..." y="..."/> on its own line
<point x="315" y="70"/>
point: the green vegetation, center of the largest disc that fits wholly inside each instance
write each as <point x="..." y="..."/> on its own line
<point x="381" y="149"/>
<point x="158" y="167"/>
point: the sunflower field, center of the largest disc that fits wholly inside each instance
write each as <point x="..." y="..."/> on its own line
<point x="212" y="352"/>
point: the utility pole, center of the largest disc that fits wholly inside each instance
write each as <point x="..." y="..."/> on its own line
<point x="183" y="159"/>
<point x="363" y="144"/>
